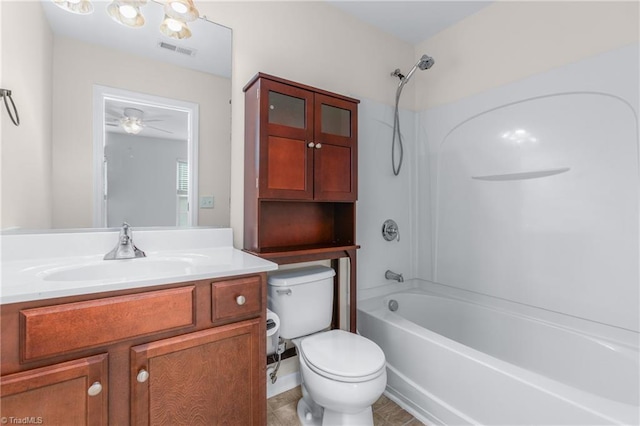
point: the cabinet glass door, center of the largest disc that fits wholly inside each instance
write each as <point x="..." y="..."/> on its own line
<point x="286" y="110"/>
<point x="335" y="121"/>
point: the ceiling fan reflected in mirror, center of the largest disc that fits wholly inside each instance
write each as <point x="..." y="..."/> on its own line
<point x="132" y="121"/>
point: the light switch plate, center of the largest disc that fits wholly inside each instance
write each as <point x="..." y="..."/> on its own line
<point x="206" y="202"/>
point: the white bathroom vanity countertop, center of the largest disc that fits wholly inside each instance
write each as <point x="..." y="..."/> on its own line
<point x="44" y="266"/>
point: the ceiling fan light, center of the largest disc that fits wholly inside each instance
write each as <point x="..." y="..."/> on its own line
<point x="81" y="7"/>
<point x="175" y="28"/>
<point x="183" y="10"/>
<point x="127" y="13"/>
<point x="131" y="125"/>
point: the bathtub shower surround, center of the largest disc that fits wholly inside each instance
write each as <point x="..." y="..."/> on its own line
<point x="564" y="241"/>
<point x="526" y="307"/>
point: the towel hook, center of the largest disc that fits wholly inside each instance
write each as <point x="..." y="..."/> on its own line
<point x="13" y="115"/>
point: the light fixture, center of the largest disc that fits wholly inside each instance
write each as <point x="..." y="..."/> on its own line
<point x="81" y="7"/>
<point x="182" y="10"/>
<point x="177" y="14"/>
<point x="175" y="28"/>
<point x="132" y="121"/>
<point x="127" y="12"/>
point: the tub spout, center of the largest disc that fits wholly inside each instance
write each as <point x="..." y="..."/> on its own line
<point x="390" y="275"/>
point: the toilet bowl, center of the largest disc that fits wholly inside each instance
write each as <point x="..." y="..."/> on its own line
<point x="342" y="373"/>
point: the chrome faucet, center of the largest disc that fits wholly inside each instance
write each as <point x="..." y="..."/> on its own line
<point x="125" y="249"/>
<point x="390" y="275"/>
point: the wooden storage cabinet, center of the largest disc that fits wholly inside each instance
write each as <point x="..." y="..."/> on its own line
<point x="300" y="166"/>
<point x="305" y="141"/>
<point x="202" y="344"/>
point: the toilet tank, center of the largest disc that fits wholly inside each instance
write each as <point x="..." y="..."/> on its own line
<point x="302" y="298"/>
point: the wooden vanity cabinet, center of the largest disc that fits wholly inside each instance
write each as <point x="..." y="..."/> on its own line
<point x="69" y="393"/>
<point x="185" y="353"/>
<point x="207" y="378"/>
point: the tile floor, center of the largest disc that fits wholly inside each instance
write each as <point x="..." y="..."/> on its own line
<point x="281" y="411"/>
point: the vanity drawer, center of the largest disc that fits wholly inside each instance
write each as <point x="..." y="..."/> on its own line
<point x="54" y="330"/>
<point x="236" y="298"/>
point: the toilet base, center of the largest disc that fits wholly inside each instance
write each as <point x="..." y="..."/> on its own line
<point x="306" y="415"/>
<point x="333" y="418"/>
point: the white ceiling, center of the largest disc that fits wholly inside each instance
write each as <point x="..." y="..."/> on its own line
<point x="411" y="21"/>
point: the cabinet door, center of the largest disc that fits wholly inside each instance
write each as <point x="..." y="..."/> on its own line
<point x="210" y="377"/>
<point x="286" y="159"/>
<point x="70" y="393"/>
<point x="335" y="156"/>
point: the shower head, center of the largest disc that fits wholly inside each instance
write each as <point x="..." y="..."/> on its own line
<point x="425" y="62"/>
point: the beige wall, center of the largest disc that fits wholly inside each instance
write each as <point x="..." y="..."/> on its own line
<point x="511" y="40"/>
<point x="77" y="67"/>
<point x="26" y="150"/>
<point x="309" y="42"/>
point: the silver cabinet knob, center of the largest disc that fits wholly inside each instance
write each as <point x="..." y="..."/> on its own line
<point x="311" y="145"/>
<point x="241" y="300"/>
<point x="95" y="389"/>
<point x="143" y="376"/>
<point x="318" y="145"/>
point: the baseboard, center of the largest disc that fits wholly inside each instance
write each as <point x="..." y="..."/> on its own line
<point x="283" y="384"/>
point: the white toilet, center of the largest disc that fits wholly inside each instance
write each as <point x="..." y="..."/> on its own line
<point x="342" y="373"/>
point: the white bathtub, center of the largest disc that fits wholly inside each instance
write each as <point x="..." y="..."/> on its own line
<point x="456" y="362"/>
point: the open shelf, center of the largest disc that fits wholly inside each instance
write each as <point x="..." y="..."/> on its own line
<point x="295" y="225"/>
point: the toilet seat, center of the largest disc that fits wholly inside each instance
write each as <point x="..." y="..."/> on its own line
<point x="343" y="356"/>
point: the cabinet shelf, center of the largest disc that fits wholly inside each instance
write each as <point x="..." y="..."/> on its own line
<point x="325" y="251"/>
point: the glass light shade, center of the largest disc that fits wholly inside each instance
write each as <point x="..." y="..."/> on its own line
<point x="127" y="12"/>
<point x="131" y="125"/>
<point x="183" y="10"/>
<point x="81" y="7"/>
<point x="175" y="28"/>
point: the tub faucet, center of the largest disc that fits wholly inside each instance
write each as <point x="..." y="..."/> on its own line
<point x="390" y="275"/>
<point x="125" y="249"/>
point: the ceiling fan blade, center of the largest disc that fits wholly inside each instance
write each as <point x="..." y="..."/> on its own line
<point x="112" y="124"/>
<point x="113" y="113"/>
<point x="162" y="130"/>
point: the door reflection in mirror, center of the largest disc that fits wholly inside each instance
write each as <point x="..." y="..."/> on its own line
<point x="144" y="151"/>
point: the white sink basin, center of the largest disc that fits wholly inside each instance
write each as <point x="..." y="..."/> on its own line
<point x="118" y="269"/>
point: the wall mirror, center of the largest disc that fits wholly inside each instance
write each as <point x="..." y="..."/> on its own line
<point x="106" y="76"/>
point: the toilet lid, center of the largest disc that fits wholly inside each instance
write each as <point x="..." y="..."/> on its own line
<point x="343" y="354"/>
